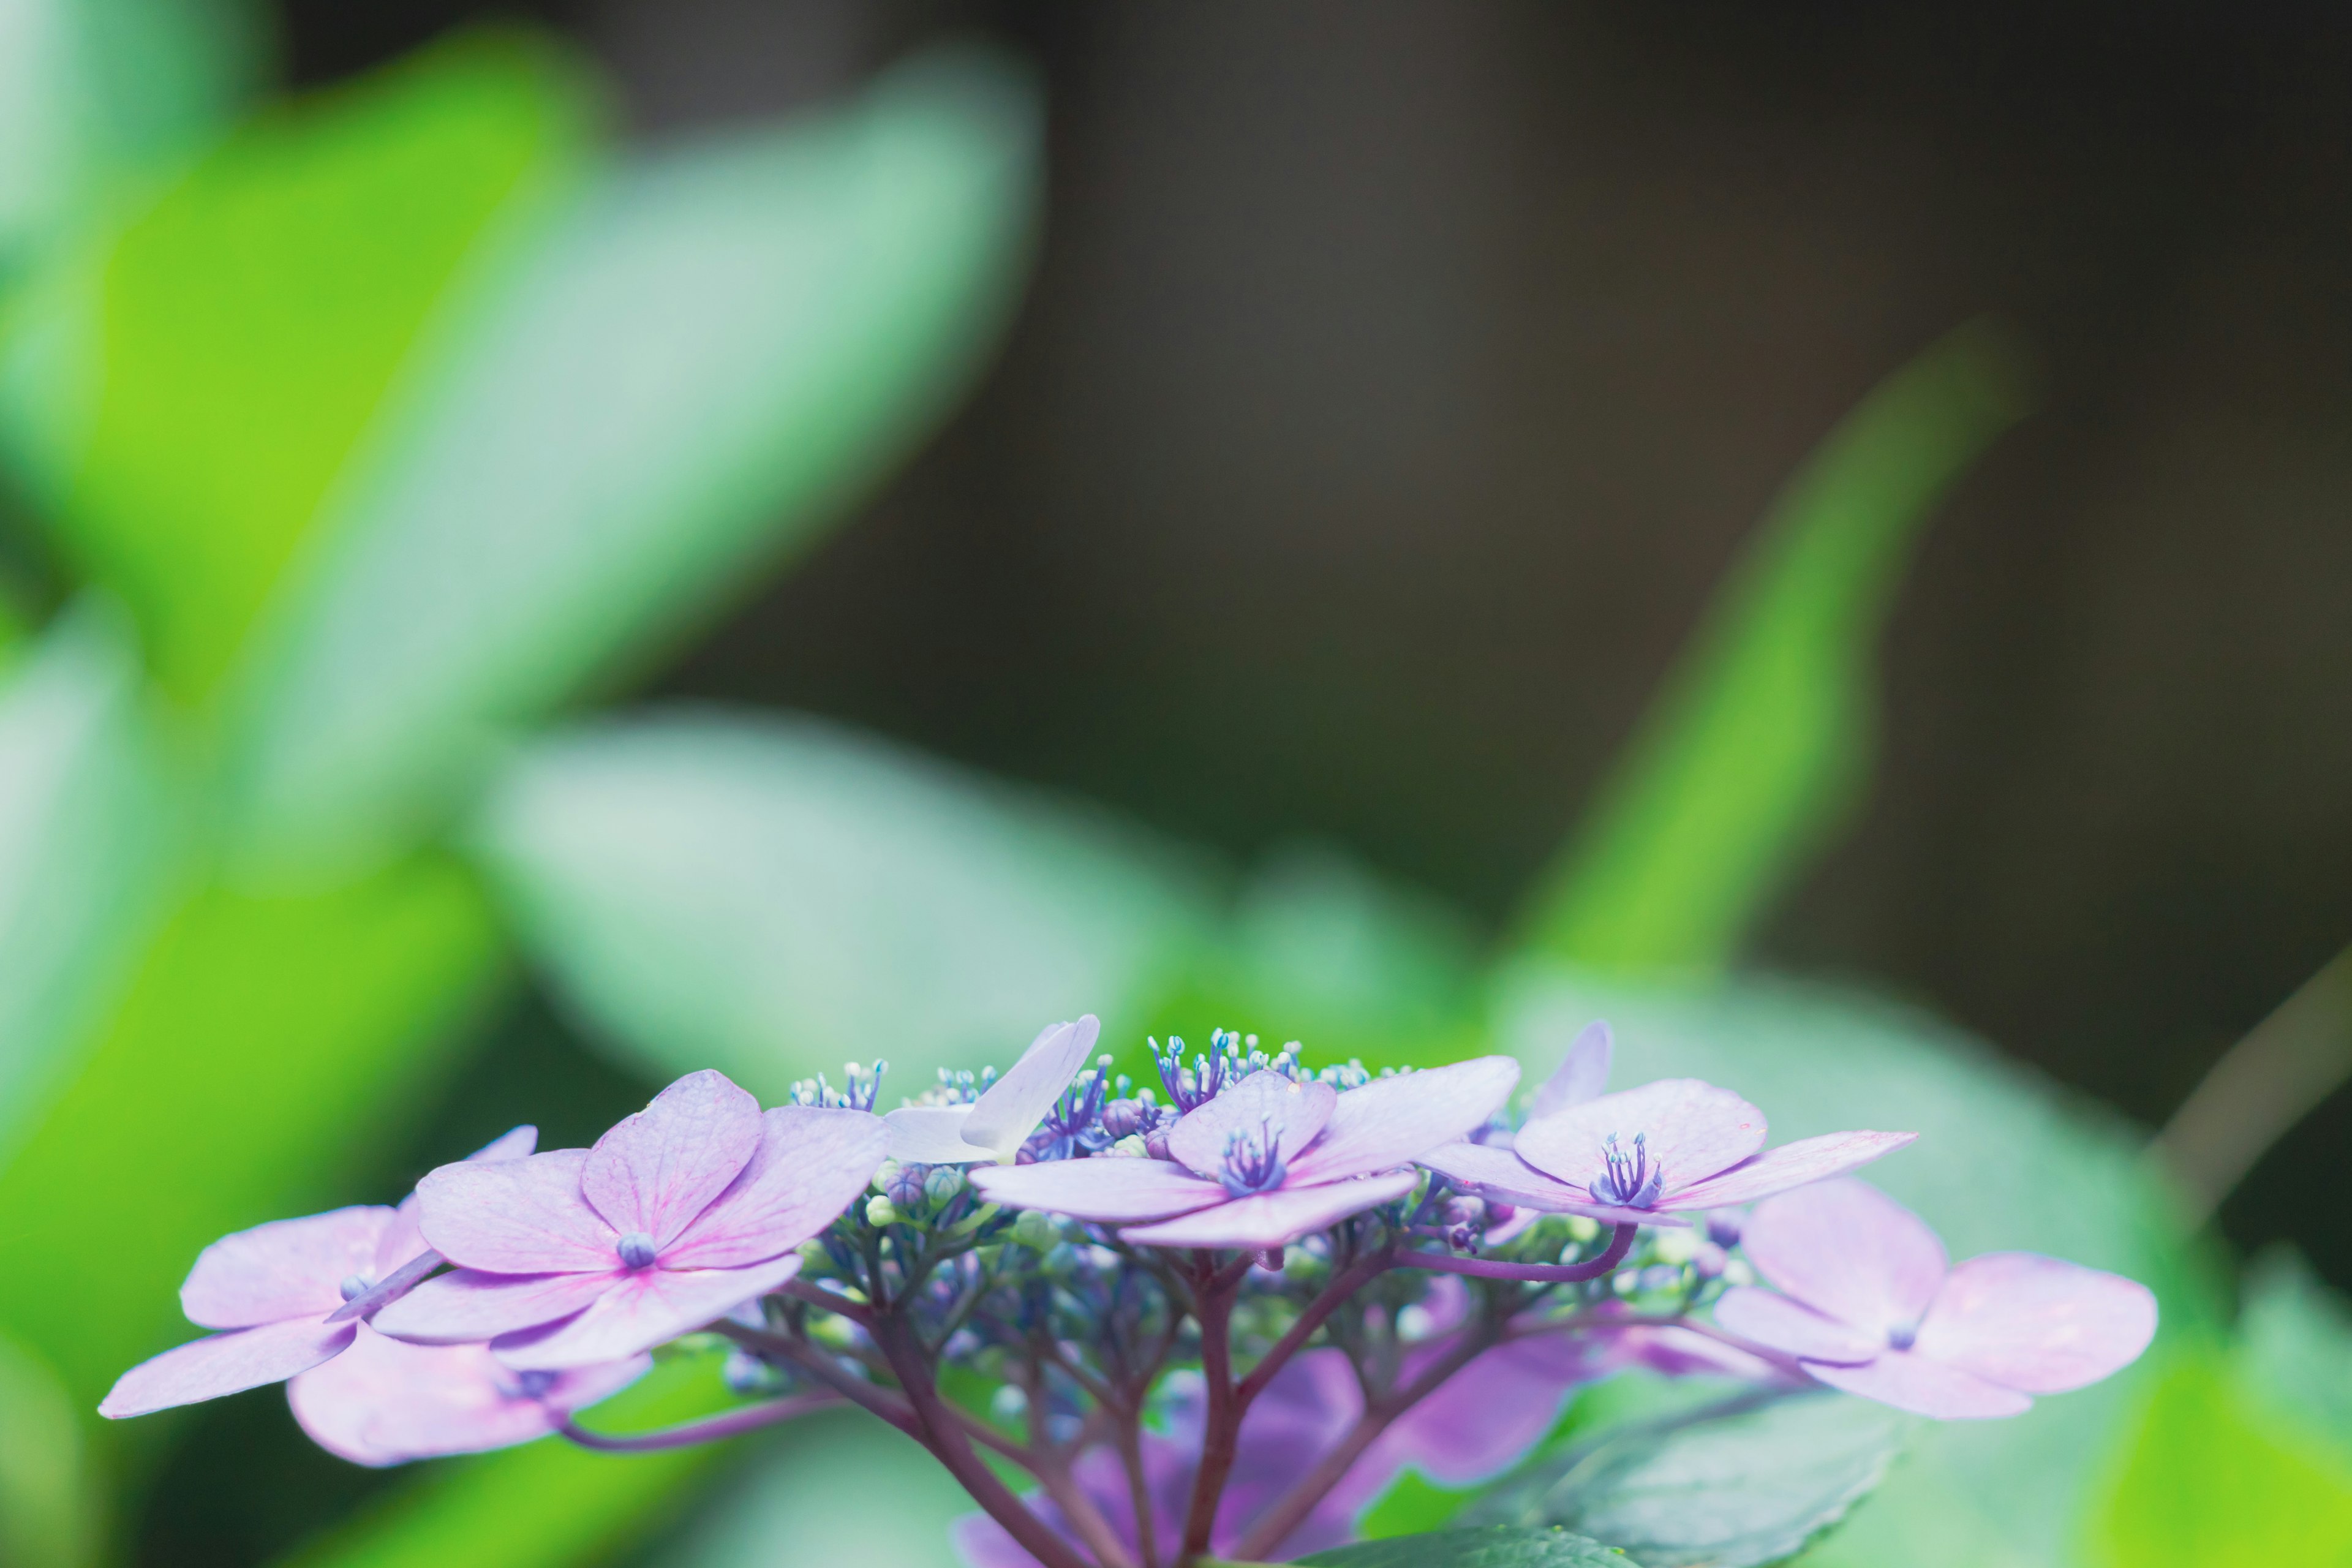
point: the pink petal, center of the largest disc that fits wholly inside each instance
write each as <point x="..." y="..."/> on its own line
<point x="1003" y="1119"/>
<point x="1110" y="1189"/>
<point x="383" y="1403"/>
<point x="1482" y="1420"/>
<point x="1294" y="1112"/>
<point x="1783" y="1324"/>
<point x="1500" y="1174"/>
<point x="1788" y="1167"/>
<point x="1693" y="1131"/>
<point x="1923" y="1387"/>
<point x="656" y="1171"/>
<point x="1849" y="1251"/>
<point x="517" y="1216"/>
<point x="649" y="1306"/>
<point x="403" y="1238"/>
<point x="468" y="1306"/>
<point x="932" y="1135"/>
<point x="811" y="1162"/>
<point x="1581" y="1077"/>
<point x="1393" y="1120"/>
<point x="224" y="1363"/>
<point x="287" y="1268"/>
<point x="1276" y="1218"/>
<point x="2035" y="1323"/>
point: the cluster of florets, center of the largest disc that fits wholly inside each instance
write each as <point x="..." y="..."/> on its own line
<point x="1189" y="1319"/>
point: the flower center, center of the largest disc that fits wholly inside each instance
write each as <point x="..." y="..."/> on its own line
<point x="1254" y="1163"/>
<point x="355" y="1287"/>
<point x="1902" y="1336"/>
<point x="1629" y="1182"/>
<point x="637" y="1249"/>
<point x="530" y="1385"/>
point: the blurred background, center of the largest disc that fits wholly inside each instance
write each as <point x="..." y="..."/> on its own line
<point x="1313" y="438"/>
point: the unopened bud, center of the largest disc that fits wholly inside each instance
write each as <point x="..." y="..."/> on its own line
<point x="1582" y="1228"/>
<point x="1035" y="1230"/>
<point x="1155" y="1142"/>
<point x="880" y="1211"/>
<point x="1675" y="1246"/>
<point x="1132" y="1147"/>
<point x="943" y="1183"/>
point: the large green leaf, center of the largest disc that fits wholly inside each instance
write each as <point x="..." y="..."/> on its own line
<point x="1495" y="1546"/>
<point x="1736" y="1488"/>
<point x="773" y="896"/>
<point x="47" y="1500"/>
<point x="1759" y="745"/>
<point x="182" y="392"/>
<point x="714" y="352"/>
<point x="2295" y="1340"/>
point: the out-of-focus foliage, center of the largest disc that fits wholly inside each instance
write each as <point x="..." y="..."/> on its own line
<point x="47" y="1500"/>
<point x="2296" y="1339"/>
<point x="1494" y="1546"/>
<point x="794" y="1491"/>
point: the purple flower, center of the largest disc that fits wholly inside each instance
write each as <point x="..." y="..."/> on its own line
<point x="385" y="1403"/>
<point x="1871" y="1307"/>
<point x="1268" y="1160"/>
<point x="1635" y="1156"/>
<point x="994" y="1126"/>
<point x="273" y="1287"/>
<point x="682" y="1213"/>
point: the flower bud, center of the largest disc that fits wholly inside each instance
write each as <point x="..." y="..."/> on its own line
<point x="1723" y="1228"/>
<point x="1132" y="1147"/>
<point x="1035" y="1230"/>
<point x="942" y="1184"/>
<point x="905" y="1188"/>
<point x="1127" y="1118"/>
<point x="1709" y="1260"/>
<point x="1675" y="1246"/>
<point x="1155" y="1142"/>
<point x="880" y="1211"/>
<point x="1582" y="1228"/>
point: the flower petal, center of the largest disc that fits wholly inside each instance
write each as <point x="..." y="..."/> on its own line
<point x="932" y="1135"/>
<point x="403" y="1238"/>
<point x="224" y="1363"/>
<point x="1499" y="1174"/>
<point x="1924" y="1387"/>
<point x="1276" y="1218"/>
<point x="1692" y="1130"/>
<point x="650" y="1307"/>
<point x="812" y="1160"/>
<point x="467" y="1306"/>
<point x="1393" y="1120"/>
<point x="516" y="1216"/>
<point x="1783" y="1324"/>
<point x="2037" y="1325"/>
<point x="1265" y="1101"/>
<point x="1789" y="1166"/>
<point x="1581" y="1077"/>
<point x="1484" y="1418"/>
<point x="657" y="1170"/>
<point x="1003" y="1119"/>
<point x="383" y="1402"/>
<point x="1849" y="1251"/>
<point x="287" y="1268"/>
<point x="1107" y="1190"/>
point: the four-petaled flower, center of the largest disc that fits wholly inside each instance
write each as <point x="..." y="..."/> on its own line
<point x="1268" y="1160"/>
<point x="1871" y="1307"/>
<point x="682" y="1213"/>
<point x="994" y="1126"/>
<point x="385" y="1403"/>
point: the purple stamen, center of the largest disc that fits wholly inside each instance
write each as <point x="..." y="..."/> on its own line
<point x="354" y="1287"/>
<point x="637" y="1249"/>
<point x="1630" y="1180"/>
<point x="1254" y="1164"/>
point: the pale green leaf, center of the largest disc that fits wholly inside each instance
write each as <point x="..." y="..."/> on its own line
<point x="47" y="1497"/>
<point x="2295" y="1343"/>
<point x="835" y="1488"/>
<point x="1494" y="1546"/>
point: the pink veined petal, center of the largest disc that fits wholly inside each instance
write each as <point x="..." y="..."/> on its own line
<point x="1787" y="1325"/>
<point x="2037" y="1325"/>
<point x="657" y="1170"/>
<point x="1581" y="1077"/>
<point x="1500" y="1174"/>
<point x="1789" y="1166"/>
<point x="287" y="1268"/>
<point x="403" y="1238"/>
<point x="932" y="1135"/>
<point x="812" y="1160"/>
<point x="1482" y="1419"/>
<point x="467" y="1306"/>
<point x="647" y="1308"/>
<point x="1276" y="1218"/>
<point x="1109" y="1190"/>
<point x="1924" y="1387"/>
<point x="223" y="1363"/>
<point x="1691" y="1131"/>
<point x="1265" y="1101"/>
<point x="516" y="1216"/>
<point x="1393" y="1120"/>
<point x="1849" y="1251"/>
<point x="1003" y="1119"/>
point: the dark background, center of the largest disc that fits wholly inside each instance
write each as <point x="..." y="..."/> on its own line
<point x="1398" y="380"/>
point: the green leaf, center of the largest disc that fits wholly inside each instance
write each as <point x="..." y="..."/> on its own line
<point x="1734" y="1489"/>
<point x="714" y="352"/>
<point x="1758" y="747"/>
<point x="182" y="394"/>
<point x="2295" y="1343"/>
<point x="773" y="896"/>
<point x="46" y="1503"/>
<point x="1497" y="1546"/>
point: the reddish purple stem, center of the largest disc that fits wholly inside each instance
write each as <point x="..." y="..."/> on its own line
<point x="1620" y="1244"/>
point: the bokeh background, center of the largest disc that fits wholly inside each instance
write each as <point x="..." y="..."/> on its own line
<point x="1347" y="442"/>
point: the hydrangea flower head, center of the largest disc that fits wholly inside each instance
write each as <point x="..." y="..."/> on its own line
<point x="995" y="1125"/>
<point x="385" y="1403"/>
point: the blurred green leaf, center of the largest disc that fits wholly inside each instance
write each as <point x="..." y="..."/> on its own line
<point x="86" y="837"/>
<point x="1759" y="744"/>
<point x="46" y="1518"/>
<point x="1733" y="1489"/>
<point x="2295" y="1343"/>
<point x="265" y="1048"/>
<point x="198" y="383"/>
<point x="772" y="897"/>
<point x="713" y="353"/>
<point x="2212" y="1482"/>
<point x="1495" y="1546"/>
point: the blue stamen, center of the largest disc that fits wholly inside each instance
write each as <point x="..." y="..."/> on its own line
<point x="1254" y="1164"/>
<point x="1629" y="1182"/>
<point x="637" y="1249"/>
